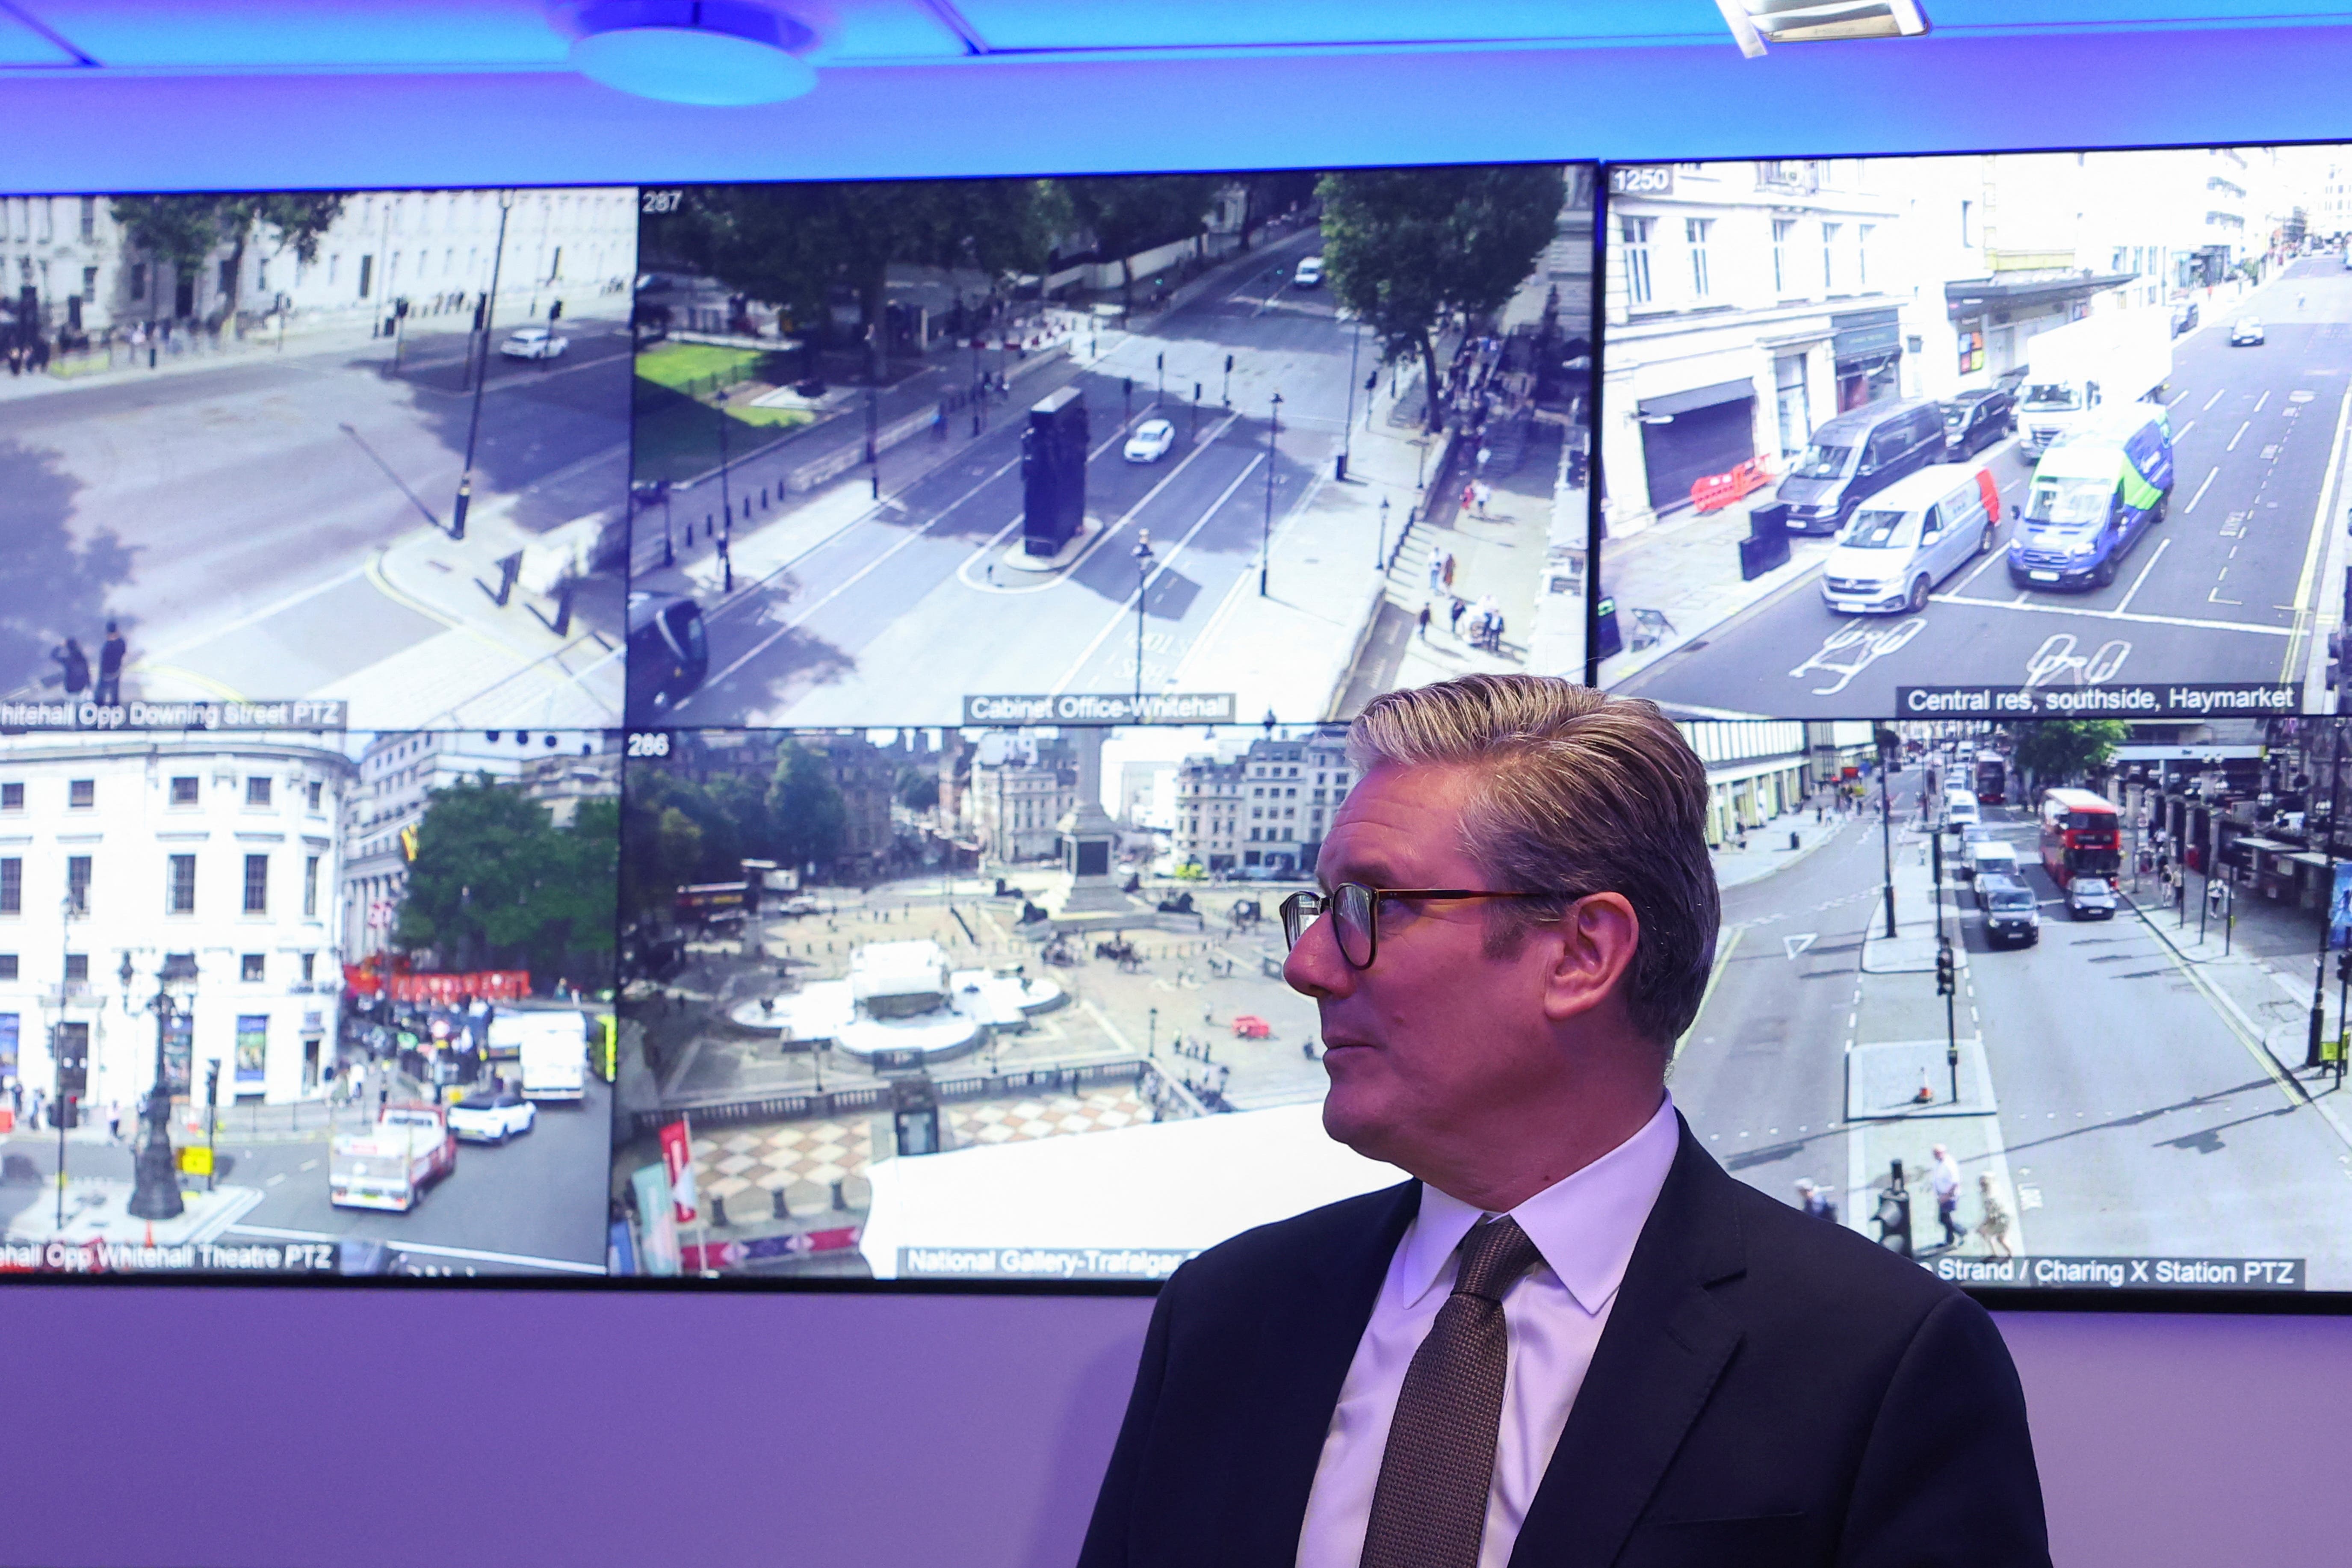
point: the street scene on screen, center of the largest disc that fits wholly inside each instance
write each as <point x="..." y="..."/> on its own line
<point x="306" y="1004"/>
<point x="1208" y="444"/>
<point x="364" y="448"/>
<point x="1983" y="437"/>
<point x="975" y="1004"/>
<point x="2126" y="1079"/>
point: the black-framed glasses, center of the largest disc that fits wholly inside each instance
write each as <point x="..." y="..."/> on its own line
<point x="1354" y="909"/>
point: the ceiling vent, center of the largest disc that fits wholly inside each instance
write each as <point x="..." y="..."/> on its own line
<point x="712" y="52"/>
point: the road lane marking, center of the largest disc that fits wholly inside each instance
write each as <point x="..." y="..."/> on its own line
<point x="2182" y="433"/>
<point x="2212" y="400"/>
<point x="520" y="1260"/>
<point x="1793" y="945"/>
<point x="1118" y="617"/>
<point x="2161" y="545"/>
<point x="2203" y="488"/>
<point x="2142" y="618"/>
<point x="1724" y="949"/>
<point x="2231" y="448"/>
<point x="2265" y="397"/>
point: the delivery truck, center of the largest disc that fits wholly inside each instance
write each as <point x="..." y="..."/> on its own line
<point x="2072" y="371"/>
<point x="390" y="1164"/>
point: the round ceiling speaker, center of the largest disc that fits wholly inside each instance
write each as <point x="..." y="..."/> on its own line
<point x="713" y="52"/>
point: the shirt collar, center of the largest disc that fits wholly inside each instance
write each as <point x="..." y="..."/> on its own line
<point x="1585" y="1224"/>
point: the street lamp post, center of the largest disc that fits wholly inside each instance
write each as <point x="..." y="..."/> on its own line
<point x="155" y="1180"/>
<point x="874" y="441"/>
<point x="2311" y="1057"/>
<point x="1347" y="421"/>
<point x="481" y="373"/>
<point x="1266" y="535"/>
<point x="725" y="502"/>
<point x="1144" y="562"/>
<point x="1380" y="553"/>
<point x="1887" y="825"/>
<point x="669" y="551"/>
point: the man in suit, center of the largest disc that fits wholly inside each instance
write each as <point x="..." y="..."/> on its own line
<point x="1571" y="1339"/>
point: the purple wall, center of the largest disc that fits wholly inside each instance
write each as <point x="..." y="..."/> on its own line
<point x="237" y="1429"/>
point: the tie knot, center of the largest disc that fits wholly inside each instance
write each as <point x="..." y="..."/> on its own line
<point x="1494" y="1255"/>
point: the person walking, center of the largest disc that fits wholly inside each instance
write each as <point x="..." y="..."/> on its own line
<point x="109" y="667"/>
<point x="1425" y="621"/>
<point x="1483" y="493"/>
<point x="1994" y="1226"/>
<point x="1944" y="1180"/>
<point x="1454" y="618"/>
<point x="1815" y="1201"/>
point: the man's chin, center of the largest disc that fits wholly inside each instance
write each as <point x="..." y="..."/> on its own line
<point x="1352" y="1116"/>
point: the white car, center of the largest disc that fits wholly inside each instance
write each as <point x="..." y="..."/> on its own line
<point x="1150" y="441"/>
<point x="491" y="1118"/>
<point x="1309" y="274"/>
<point x="534" y="342"/>
<point x="2247" y="331"/>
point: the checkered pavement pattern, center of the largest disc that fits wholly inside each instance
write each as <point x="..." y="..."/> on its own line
<point x="774" y="1158"/>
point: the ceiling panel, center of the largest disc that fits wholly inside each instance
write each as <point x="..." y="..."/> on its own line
<point x="24" y="44"/>
<point x="338" y="35"/>
<point x="1063" y="24"/>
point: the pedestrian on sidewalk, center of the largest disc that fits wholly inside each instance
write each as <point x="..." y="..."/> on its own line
<point x="1481" y="491"/>
<point x="1944" y="1180"/>
<point x="1424" y="621"/>
<point x="109" y="667"/>
<point x="1469" y="494"/>
<point x="1994" y="1227"/>
<point x="1815" y="1201"/>
<point x="1454" y="618"/>
<point x="1449" y="568"/>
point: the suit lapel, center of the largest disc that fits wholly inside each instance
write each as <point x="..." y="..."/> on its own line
<point x="1305" y="1344"/>
<point x="1666" y="1343"/>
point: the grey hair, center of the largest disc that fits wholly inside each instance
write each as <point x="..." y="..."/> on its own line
<point x="1577" y="792"/>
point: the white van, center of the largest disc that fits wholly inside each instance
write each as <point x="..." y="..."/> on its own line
<point x="1909" y="537"/>
<point x="1960" y="808"/>
<point x="1993" y="858"/>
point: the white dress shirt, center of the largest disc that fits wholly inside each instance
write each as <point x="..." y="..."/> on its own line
<point x="1585" y="1226"/>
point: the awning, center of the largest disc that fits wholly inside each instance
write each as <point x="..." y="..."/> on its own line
<point x="1971" y="296"/>
<point x="1722" y="392"/>
<point x="2310" y="858"/>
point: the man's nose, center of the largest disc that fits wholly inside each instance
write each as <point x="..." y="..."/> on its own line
<point x="1314" y="967"/>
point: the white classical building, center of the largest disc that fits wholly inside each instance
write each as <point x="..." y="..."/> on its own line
<point x="1022" y="786"/>
<point x="222" y="850"/>
<point x="422" y="245"/>
<point x="1758" y="769"/>
<point x="1268" y="805"/>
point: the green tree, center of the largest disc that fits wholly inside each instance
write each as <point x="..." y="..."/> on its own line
<point x="496" y="882"/>
<point x="1409" y="249"/>
<point x="1131" y="212"/>
<point x="918" y="788"/>
<point x="805" y="805"/>
<point x="183" y="231"/>
<point x="1268" y="196"/>
<point x="792" y="245"/>
<point x="2058" y="751"/>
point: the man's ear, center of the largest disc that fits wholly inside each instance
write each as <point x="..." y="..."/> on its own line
<point x="1593" y="944"/>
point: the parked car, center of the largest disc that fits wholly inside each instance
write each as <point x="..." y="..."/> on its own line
<point x="1309" y="274"/>
<point x="1975" y="420"/>
<point x="1150" y="441"/>
<point x="1909" y="537"/>
<point x="2011" y="911"/>
<point x="491" y="1118"/>
<point x="2090" y="898"/>
<point x="1857" y="454"/>
<point x="2184" y="318"/>
<point x="535" y="342"/>
<point x="1250" y="1026"/>
<point x="2247" y="330"/>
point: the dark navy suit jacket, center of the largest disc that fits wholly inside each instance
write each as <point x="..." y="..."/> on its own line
<point x="1771" y="1390"/>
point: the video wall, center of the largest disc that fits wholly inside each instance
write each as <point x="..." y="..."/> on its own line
<point x="757" y="732"/>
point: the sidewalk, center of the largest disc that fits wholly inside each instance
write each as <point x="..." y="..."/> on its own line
<point x="1768" y="847"/>
<point x="2269" y="1007"/>
<point x="1687" y="568"/>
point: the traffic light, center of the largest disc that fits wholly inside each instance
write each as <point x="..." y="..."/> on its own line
<point x="1127" y="386"/>
<point x="1160" y="362"/>
<point x="555" y="312"/>
<point x="212" y="1081"/>
<point x="2344" y="967"/>
<point x="481" y="303"/>
<point x="400" y="307"/>
<point x="1371" y="380"/>
<point x="1229" y="364"/>
<point x="68" y="1113"/>
<point x="1894" y="1216"/>
<point x="1947" y="971"/>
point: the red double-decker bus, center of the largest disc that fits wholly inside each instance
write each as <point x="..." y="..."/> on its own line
<point x="2081" y="836"/>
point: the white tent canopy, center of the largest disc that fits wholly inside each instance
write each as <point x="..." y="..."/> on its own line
<point x="1125" y="1203"/>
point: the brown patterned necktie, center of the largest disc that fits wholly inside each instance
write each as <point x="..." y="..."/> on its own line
<point x="1429" y="1509"/>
